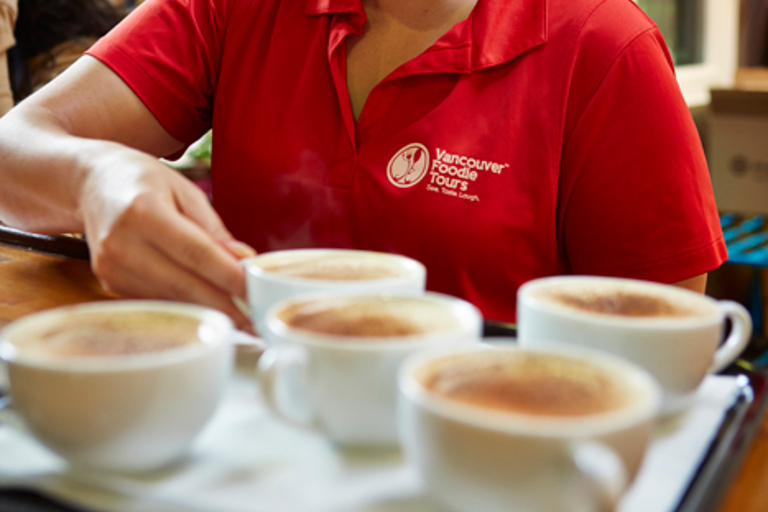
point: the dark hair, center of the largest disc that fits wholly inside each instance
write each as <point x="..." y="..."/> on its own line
<point x="42" y="25"/>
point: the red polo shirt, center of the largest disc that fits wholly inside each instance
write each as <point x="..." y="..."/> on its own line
<point x="537" y="137"/>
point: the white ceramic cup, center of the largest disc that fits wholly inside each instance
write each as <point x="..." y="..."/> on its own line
<point x="345" y="385"/>
<point x="678" y="349"/>
<point x="122" y="411"/>
<point x="277" y="275"/>
<point x="476" y="458"/>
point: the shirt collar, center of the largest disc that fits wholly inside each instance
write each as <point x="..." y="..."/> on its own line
<point x="496" y="32"/>
<point x="319" y="7"/>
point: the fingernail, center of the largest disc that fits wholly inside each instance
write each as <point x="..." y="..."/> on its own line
<point x="240" y="249"/>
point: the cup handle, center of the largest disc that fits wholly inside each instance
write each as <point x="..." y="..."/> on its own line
<point x="741" y="332"/>
<point x="282" y="376"/>
<point x="603" y="471"/>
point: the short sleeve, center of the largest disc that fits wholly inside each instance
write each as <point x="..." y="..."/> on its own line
<point x="169" y="52"/>
<point x="636" y="197"/>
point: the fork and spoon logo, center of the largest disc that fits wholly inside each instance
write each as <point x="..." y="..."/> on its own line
<point x="408" y="166"/>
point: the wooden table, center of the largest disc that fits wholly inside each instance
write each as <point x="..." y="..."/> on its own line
<point x="31" y="281"/>
<point x="749" y="492"/>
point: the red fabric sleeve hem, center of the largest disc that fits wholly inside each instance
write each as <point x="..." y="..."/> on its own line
<point x="170" y="113"/>
<point x="694" y="262"/>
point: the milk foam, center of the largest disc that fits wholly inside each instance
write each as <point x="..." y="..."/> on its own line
<point x="527" y="383"/>
<point x="639" y="300"/>
<point x="335" y="266"/>
<point x="383" y="316"/>
<point x="100" y="334"/>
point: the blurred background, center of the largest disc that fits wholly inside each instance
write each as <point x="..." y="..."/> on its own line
<point x="720" y="50"/>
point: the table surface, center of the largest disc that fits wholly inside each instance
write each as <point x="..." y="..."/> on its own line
<point x="32" y="281"/>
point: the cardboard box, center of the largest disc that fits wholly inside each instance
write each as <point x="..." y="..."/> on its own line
<point x="753" y="79"/>
<point x="738" y="149"/>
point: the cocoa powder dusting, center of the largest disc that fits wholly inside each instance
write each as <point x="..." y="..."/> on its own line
<point x="365" y="324"/>
<point x="623" y="304"/>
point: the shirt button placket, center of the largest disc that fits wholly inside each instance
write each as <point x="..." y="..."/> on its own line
<point x="343" y="167"/>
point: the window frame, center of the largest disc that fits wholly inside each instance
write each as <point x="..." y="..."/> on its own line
<point x="720" y="54"/>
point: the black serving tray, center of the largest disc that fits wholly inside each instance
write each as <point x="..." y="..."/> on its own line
<point x="730" y="445"/>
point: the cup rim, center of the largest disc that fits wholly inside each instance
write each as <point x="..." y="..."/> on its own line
<point x="469" y="317"/>
<point x="646" y="408"/>
<point x="414" y="267"/>
<point x="528" y="299"/>
<point x="220" y="333"/>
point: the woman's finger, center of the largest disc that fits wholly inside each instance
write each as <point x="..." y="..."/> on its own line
<point x="147" y="273"/>
<point x="182" y="241"/>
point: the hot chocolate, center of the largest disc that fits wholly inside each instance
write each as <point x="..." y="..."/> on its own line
<point x="527" y="383"/>
<point x="608" y="298"/>
<point x="621" y="303"/>
<point x="371" y="316"/>
<point x="674" y="333"/>
<point x="100" y="334"/>
<point x="123" y="385"/>
<point x="339" y="353"/>
<point x="333" y="266"/>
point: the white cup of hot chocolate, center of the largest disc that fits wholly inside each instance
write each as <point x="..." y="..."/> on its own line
<point x="561" y="429"/>
<point x="338" y="356"/>
<point x="117" y="385"/>
<point x="676" y="334"/>
<point x="277" y="275"/>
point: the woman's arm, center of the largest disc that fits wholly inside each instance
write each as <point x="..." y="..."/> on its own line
<point x="81" y="155"/>
<point x="696" y="284"/>
<point x="7" y="23"/>
<point x="6" y="94"/>
<point x="58" y="137"/>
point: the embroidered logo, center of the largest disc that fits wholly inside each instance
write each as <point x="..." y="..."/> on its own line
<point x="408" y="166"/>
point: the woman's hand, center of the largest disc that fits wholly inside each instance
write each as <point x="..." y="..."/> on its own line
<point x="153" y="234"/>
<point x="81" y="155"/>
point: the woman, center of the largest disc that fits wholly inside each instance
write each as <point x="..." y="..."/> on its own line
<point x="496" y="141"/>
